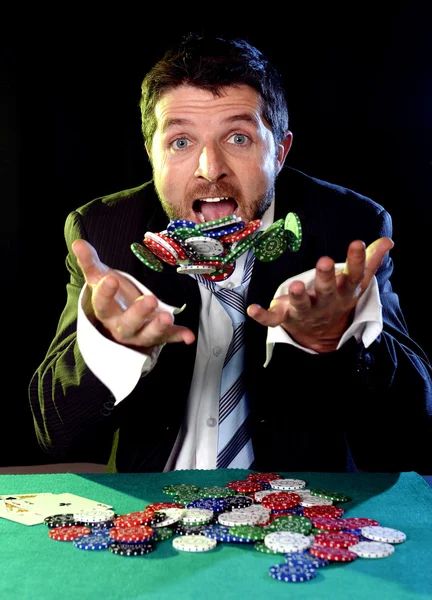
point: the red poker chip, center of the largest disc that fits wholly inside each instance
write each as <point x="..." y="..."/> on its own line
<point x="336" y="540"/>
<point x="67" y="534"/>
<point x="329" y="523"/>
<point x="241" y="234"/>
<point x="176" y="247"/>
<point x="244" y="486"/>
<point x="266" y="477"/>
<point x="358" y="523"/>
<point x="227" y="271"/>
<point x="160" y="251"/>
<point x="335" y="554"/>
<point x="323" y="511"/>
<point x="281" y="501"/>
<point x="132" y="534"/>
<point x="127" y="521"/>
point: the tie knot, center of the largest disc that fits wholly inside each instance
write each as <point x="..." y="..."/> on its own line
<point x="234" y="302"/>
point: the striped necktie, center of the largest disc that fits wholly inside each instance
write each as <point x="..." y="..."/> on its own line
<point x="234" y="439"/>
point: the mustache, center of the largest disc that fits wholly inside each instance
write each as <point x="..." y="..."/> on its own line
<point x="213" y="190"/>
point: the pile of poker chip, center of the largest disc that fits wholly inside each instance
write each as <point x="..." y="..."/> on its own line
<point x="304" y="528"/>
<point x="212" y="248"/>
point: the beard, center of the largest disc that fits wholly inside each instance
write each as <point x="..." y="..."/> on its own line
<point x="247" y="209"/>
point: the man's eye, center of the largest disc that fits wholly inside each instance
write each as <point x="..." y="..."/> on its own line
<point x="239" y="139"/>
<point x="180" y="143"/>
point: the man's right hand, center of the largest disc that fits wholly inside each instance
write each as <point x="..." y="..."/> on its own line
<point x="125" y="315"/>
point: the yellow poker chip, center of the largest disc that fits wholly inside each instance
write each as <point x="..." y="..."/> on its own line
<point x="293" y="231"/>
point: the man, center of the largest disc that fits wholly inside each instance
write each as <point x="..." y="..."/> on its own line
<point x="331" y="379"/>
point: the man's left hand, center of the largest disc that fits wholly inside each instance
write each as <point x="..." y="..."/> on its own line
<point x="317" y="317"/>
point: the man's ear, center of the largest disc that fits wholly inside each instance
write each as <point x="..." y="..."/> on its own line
<point x="283" y="149"/>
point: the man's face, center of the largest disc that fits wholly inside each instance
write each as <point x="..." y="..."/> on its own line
<point x="214" y="156"/>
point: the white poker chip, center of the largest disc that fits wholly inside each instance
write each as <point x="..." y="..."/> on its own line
<point x="203" y="269"/>
<point x="383" y="534"/>
<point x="263" y="493"/>
<point x="173" y="515"/>
<point x="287" y="484"/>
<point x="94" y="515"/>
<point x="372" y="549"/>
<point x="238" y="517"/>
<point x="309" y="500"/>
<point x="196" y="515"/>
<point x="257" y="511"/>
<point x="287" y="541"/>
<point x="157" y="238"/>
<point x="194" y="543"/>
<point x="206" y="246"/>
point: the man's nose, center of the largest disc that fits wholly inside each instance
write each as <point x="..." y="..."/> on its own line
<point x="212" y="165"/>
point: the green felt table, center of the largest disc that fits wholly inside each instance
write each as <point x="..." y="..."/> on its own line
<point x="33" y="566"/>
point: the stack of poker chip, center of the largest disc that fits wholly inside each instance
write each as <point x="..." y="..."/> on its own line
<point x="275" y="515"/>
<point x="212" y="248"/>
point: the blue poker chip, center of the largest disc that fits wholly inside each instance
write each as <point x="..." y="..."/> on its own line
<point x="305" y="559"/>
<point x="92" y="542"/>
<point x="295" y="510"/>
<point x="217" y="233"/>
<point x="178" y="223"/>
<point x="356" y="532"/>
<point x="292" y="574"/>
<point x="220" y="533"/>
<point x="102" y="526"/>
<point x="214" y="504"/>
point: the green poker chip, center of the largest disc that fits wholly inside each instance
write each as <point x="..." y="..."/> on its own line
<point x="163" y="533"/>
<point x="270" y="247"/>
<point x="179" y="489"/>
<point x="294" y="523"/>
<point x="216" y="223"/>
<point x="293" y="231"/>
<point x="147" y="257"/>
<point x="183" y="233"/>
<point x="186" y="498"/>
<point x="248" y="533"/>
<point x="334" y="496"/>
<point x="261" y="547"/>
<point x="239" y="249"/>
<point x="215" y="491"/>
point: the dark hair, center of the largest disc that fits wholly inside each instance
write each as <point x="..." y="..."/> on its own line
<point x="211" y="63"/>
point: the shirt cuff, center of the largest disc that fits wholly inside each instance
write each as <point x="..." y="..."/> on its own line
<point x="366" y="325"/>
<point x="117" y="366"/>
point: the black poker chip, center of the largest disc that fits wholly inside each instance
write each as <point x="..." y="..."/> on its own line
<point x="181" y="529"/>
<point x="61" y="520"/>
<point x="131" y="549"/>
<point x="235" y="502"/>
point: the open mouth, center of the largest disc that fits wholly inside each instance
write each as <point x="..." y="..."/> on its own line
<point x="208" y="209"/>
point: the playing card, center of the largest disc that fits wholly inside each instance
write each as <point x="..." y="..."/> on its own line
<point x="16" y="507"/>
<point x="31" y="509"/>
<point x="70" y="503"/>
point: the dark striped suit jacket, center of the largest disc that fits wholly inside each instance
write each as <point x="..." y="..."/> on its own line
<point x="304" y="407"/>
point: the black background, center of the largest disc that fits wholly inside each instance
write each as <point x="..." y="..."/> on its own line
<point x="359" y="83"/>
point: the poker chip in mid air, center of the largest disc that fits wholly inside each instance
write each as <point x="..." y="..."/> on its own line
<point x="193" y="247"/>
<point x="293" y="230"/>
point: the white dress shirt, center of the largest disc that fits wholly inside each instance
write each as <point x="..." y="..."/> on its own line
<point x="120" y="367"/>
